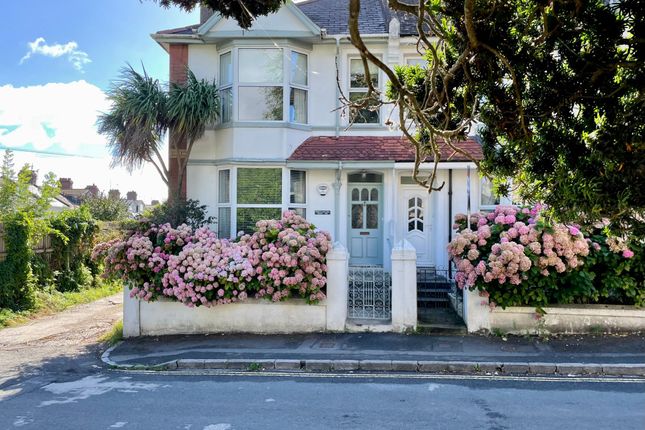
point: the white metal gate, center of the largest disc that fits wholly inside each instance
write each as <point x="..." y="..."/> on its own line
<point x="370" y="293"/>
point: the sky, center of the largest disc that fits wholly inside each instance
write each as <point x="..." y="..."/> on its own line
<point x="58" y="60"/>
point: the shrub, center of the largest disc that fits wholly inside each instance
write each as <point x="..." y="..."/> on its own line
<point x="188" y="212"/>
<point x="17" y="282"/>
<point x="515" y="257"/>
<point x="281" y="258"/>
<point x="73" y="233"/>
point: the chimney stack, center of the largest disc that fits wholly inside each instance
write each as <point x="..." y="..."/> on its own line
<point x="93" y="190"/>
<point x="66" y="183"/>
<point x="34" y="178"/>
<point x="114" y="194"/>
<point x="132" y="195"/>
<point x="204" y="14"/>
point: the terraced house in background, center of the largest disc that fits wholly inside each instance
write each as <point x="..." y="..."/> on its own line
<point x="284" y="142"/>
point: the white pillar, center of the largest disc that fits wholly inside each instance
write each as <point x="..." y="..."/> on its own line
<point x="476" y="311"/>
<point x="337" y="287"/>
<point x="404" y="287"/>
<point x="131" y="315"/>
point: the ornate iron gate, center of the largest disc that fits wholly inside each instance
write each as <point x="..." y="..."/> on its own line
<point x="370" y="293"/>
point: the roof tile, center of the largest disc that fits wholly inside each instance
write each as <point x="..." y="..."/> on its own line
<point x="374" y="148"/>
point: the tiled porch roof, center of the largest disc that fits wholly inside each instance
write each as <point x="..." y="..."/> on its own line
<point x="373" y="148"/>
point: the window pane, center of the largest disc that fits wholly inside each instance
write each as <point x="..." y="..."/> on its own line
<point x="259" y="186"/>
<point x="357" y="74"/>
<point x="298" y="186"/>
<point x="374" y="195"/>
<point x="298" y="106"/>
<point x="488" y="197"/>
<point x="372" y="216"/>
<point x="363" y="115"/>
<point x="300" y="211"/>
<point x="225" y="69"/>
<point x="224" y="222"/>
<point x="365" y="177"/>
<point x="364" y="194"/>
<point x="355" y="194"/>
<point x="261" y="65"/>
<point x="224" y="194"/>
<point x="226" y="100"/>
<point x="357" y="216"/>
<point x="298" y="68"/>
<point x="247" y="217"/>
<point x="260" y="103"/>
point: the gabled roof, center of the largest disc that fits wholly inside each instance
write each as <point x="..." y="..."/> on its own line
<point x="332" y="15"/>
<point x="375" y="16"/>
<point x="374" y="148"/>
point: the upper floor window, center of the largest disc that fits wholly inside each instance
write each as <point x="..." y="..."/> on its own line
<point x="358" y="88"/>
<point x="226" y="86"/>
<point x="268" y="85"/>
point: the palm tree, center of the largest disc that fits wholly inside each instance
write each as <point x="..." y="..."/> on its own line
<point x="142" y="112"/>
<point x="192" y="106"/>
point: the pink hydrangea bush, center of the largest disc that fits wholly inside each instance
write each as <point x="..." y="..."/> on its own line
<point x="282" y="258"/>
<point x="514" y="256"/>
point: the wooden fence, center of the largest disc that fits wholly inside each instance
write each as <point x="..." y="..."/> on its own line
<point x="44" y="246"/>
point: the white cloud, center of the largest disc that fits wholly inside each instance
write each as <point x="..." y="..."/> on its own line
<point x="62" y="118"/>
<point x="52" y="115"/>
<point x="70" y="50"/>
<point x="87" y="171"/>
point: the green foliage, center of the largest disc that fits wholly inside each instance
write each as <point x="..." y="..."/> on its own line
<point x="242" y="11"/>
<point x="17" y="282"/>
<point x="106" y="209"/>
<point x="188" y="212"/>
<point x="18" y="196"/>
<point x="142" y="112"/>
<point x="564" y="117"/>
<point x="73" y="235"/>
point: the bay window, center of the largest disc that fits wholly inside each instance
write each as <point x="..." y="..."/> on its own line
<point x="271" y="84"/>
<point x="246" y="195"/>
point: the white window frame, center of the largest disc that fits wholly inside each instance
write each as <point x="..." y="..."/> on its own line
<point x="227" y="86"/>
<point x="291" y="84"/>
<point x="228" y="204"/>
<point x="286" y="83"/>
<point x="303" y="205"/>
<point x="350" y="90"/>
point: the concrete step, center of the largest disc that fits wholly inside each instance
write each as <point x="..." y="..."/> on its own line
<point x="447" y="329"/>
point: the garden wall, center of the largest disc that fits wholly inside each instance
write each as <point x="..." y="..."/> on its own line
<point x="569" y="319"/>
<point x="566" y="319"/>
<point x="166" y="317"/>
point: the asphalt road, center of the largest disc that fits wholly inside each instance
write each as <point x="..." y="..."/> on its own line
<point x="104" y="399"/>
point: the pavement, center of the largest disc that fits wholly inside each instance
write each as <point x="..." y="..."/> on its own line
<point x="387" y="352"/>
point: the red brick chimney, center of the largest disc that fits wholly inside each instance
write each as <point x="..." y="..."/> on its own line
<point x="66" y="183"/>
<point x="93" y="189"/>
<point x="178" y="68"/>
<point x="114" y="194"/>
<point x="131" y="195"/>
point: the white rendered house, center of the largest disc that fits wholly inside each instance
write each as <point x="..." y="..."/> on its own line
<point x="282" y="142"/>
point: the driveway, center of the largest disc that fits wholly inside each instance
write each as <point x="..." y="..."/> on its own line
<point x="64" y="342"/>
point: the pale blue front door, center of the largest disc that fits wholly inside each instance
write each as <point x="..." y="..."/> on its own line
<point x="365" y="223"/>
